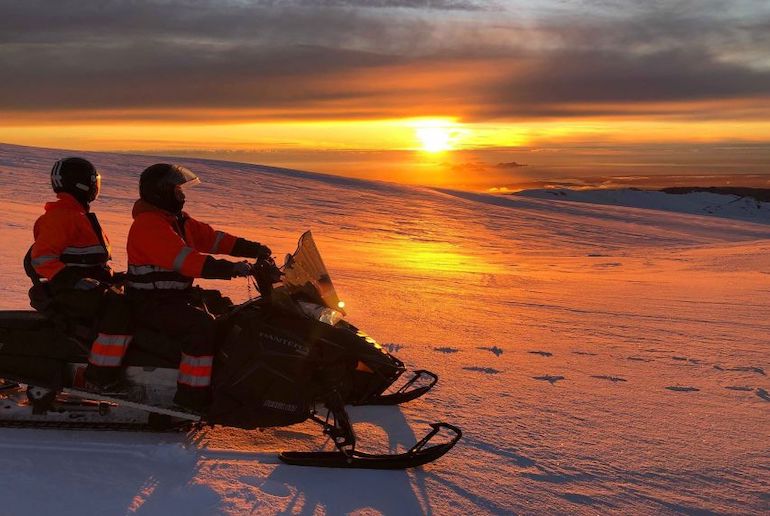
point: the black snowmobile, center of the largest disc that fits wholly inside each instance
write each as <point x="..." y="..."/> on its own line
<point x="285" y="357"/>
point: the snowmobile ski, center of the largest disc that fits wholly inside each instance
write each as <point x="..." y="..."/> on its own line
<point x="418" y="455"/>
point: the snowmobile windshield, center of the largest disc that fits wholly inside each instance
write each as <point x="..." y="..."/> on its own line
<point x="306" y="277"/>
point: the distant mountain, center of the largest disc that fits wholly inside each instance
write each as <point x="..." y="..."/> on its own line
<point x="738" y="203"/>
<point x="759" y="194"/>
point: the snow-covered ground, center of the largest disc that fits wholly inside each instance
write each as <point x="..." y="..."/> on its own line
<point x="698" y="203"/>
<point x="598" y="358"/>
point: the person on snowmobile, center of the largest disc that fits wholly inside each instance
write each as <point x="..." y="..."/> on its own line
<point x="68" y="265"/>
<point x="167" y="249"/>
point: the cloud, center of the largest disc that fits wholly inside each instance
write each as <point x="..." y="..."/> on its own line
<point x="380" y="59"/>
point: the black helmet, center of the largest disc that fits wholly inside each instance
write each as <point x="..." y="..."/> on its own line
<point x="161" y="185"/>
<point x="78" y="177"/>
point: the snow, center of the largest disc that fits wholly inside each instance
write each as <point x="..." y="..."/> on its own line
<point x="698" y="203"/>
<point x="598" y="358"/>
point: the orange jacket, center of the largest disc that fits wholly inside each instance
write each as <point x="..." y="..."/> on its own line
<point x="68" y="236"/>
<point x="165" y="252"/>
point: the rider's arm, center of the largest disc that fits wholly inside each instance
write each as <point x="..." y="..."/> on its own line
<point x="206" y="239"/>
<point x="210" y="241"/>
<point x="154" y="242"/>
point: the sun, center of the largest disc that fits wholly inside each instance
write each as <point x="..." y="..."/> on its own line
<point x="434" y="139"/>
<point x="437" y="134"/>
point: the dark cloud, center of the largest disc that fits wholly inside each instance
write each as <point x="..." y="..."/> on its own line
<point x="600" y="83"/>
<point x="335" y="58"/>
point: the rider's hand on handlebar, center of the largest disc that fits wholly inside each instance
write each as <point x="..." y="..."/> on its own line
<point x="264" y="252"/>
<point x="241" y="269"/>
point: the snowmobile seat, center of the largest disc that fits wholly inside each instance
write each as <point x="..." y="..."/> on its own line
<point x="24" y="320"/>
<point x="33" y="350"/>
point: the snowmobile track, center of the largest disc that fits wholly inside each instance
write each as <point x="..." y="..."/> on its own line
<point x="90" y="425"/>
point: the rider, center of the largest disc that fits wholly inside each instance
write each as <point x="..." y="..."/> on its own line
<point x="167" y="248"/>
<point x="69" y="269"/>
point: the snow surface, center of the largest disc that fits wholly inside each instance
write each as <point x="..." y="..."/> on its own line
<point x="698" y="203"/>
<point x="598" y="358"/>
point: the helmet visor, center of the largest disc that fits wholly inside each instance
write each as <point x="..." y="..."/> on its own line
<point x="183" y="176"/>
<point x="179" y="190"/>
<point x="96" y="187"/>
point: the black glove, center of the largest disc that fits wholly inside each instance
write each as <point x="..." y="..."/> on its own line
<point x="119" y="278"/>
<point x="248" y="249"/>
<point x="87" y="284"/>
<point x="241" y="270"/>
<point x="268" y="270"/>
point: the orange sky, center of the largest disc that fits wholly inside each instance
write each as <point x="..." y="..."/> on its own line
<point x="445" y="95"/>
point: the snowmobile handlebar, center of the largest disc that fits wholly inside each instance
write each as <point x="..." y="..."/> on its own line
<point x="266" y="273"/>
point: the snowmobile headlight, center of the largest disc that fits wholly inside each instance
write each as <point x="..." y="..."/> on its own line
<point x="321" y="313"/>
<point x="329" y="316"/>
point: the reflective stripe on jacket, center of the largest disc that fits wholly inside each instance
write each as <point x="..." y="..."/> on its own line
<point x="67" y="235"/>
<point x="166" y="252"/>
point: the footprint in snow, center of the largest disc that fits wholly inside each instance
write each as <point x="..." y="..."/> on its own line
<point x="762" y="393"/>
<point x="446" y="350"/>
<point x="685" y="359"/>
<point x="485" y="370"/>
<point x="494" y="349"/>
<point x="542" y="353"/>
<point x="743" y="369"/>
<point x="681" y="388"/>
<point x="742" y="388"/>
<point x="613" y="379"/>
<point x="549" y="378"/>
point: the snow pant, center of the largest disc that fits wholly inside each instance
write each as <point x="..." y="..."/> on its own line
<point x="112" y="314"/>
<point x="177" y="317"/>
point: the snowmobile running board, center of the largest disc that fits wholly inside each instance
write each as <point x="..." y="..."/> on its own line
<point x="403" y="394"/>
<point x="416" y="456"/>
<point x="131" y="404"/>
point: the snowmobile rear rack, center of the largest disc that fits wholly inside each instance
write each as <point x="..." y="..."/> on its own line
<point x="404" y="394"/>
<point x="416" y="456"/>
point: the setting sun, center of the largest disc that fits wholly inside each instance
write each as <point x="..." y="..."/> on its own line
<point x="437" y="135"/>
<point x="434" y="139"/>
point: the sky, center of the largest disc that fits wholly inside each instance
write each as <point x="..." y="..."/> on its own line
<point x="464" y="93"/>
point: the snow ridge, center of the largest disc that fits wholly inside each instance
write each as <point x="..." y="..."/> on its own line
<point x="693" y="201"/>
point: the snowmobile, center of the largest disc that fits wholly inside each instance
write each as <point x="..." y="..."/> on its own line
<point x="285" y="357"/>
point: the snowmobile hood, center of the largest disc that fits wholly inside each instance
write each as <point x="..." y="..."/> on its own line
<point x="65" y="202"/>
<point x="141" y="206"/>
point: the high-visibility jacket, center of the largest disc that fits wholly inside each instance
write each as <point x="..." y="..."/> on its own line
<point x="165" y="252"/>
<point x="68" y="236"/>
